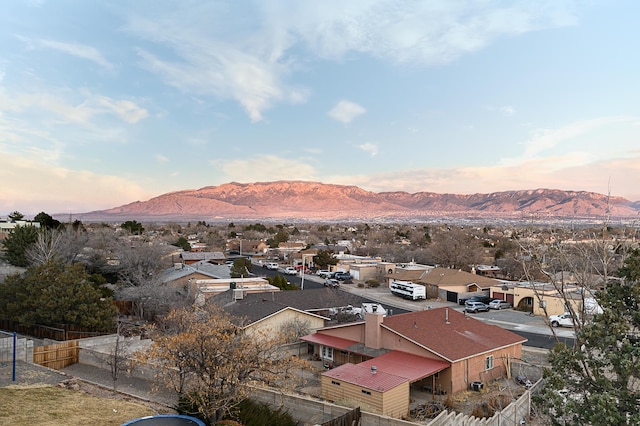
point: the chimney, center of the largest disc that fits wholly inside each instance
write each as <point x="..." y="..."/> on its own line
<point x="372" y="330"/>
<point x="374" y="369"/>
<point x="446" y="316"/>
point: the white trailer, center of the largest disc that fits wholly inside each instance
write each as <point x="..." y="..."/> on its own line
<point x="408" y="290"/>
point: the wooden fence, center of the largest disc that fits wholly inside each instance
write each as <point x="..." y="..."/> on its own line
<point x="350" y="418"/>
<point x="57" y="356"/>
<point x="61" y="333"/>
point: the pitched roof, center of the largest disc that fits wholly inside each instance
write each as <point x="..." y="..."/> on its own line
<point x="204" y="268"/>
<point x="361" y="376"/>
<point x="407" y="274"/>
<point x="251" y="309"/>
<point x="311" y="299"/>
<point x="256" y="306"/>
<point x="203" y="255"/>
<point x="458" y="338"/>
<point x="443" y="277"/>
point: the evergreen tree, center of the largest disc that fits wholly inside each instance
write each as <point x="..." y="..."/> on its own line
<point x="18" y="243"/>
<point x="53" y="294"/>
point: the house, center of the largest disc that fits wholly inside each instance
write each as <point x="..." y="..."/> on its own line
<point x="316" y="301"/>
<point x="203" y="279"/>
<point x="262" y="313"/>
<point x="545" y="299"/>
<point x="215" y="257"/>
<point x="453" y="284"/>
<point x="6" y="226"/>
<point x="441" y="350"/>
<point x="247" y="247"/>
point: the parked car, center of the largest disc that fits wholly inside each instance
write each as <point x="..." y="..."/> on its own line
<point x="331" y="282"/>
<point x="343" y="276"/>
<point x="564" y="320"/>
<point x="476" y="307"/>
<point x="499" y="304"/>
<point x="481" y="298"/>
<point x="290" y="270"/>
<point x="323" y="273"/>
<point x="273" y="266"/>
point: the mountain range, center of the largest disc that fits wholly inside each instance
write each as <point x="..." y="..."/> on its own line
<point x="314" y="201"/>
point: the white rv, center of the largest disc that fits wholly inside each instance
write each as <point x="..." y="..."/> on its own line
<point x="408" y="290"/>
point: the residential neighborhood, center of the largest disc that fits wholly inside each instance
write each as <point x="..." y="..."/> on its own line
<point x="396" y="338"/>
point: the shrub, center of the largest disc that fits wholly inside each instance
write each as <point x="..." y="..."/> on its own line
<point x="252" y="413"/>
<point x="373" y="283"/>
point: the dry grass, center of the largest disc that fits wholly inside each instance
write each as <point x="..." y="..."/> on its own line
<point x="52" y="406"/>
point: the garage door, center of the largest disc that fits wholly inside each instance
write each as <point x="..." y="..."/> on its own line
<point x="452" y="296"/>
<point x="497" y="295"/>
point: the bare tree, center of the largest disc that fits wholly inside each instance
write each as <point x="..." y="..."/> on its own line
<point x="212" y="363"/>
<point x="456" y="248"/>
<point x="62" y="244"/>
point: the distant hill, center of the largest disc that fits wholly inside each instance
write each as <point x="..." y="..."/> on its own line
<point x="314" y="201"/>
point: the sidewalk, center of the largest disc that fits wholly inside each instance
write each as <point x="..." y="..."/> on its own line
<point x="141" y="389"/>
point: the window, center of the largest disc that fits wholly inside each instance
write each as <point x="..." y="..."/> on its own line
<point x="326" y="352"/>
<point x="366" y="392"/>
<point x="488" y="362"/>
<point x="333" y="382"/>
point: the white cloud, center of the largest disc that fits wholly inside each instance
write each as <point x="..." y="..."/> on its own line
<point x="126" y="110"/>
<point x="621" y="174"/>
<point x="38" y="188"/>
<point x="201" y="52"/>
<point x="544" y="140"/>
<point x="265" y="168"/>
<point x="370" y="148"/>
<point x="433" y="32"/>
<point x="161" y="158"/>
<point x="77" y="50"/>
<point x="346" y="111"/>
<point x="72" y="107"/>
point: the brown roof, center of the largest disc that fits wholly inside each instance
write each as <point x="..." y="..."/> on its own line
<point x="443" y="277"/>
<point x="462" y="337"/>
<point x="402" y="364"/>
<point x="362" y="376"/>
<point x="407" y="274"/>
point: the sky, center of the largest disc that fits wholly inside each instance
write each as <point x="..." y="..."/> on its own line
<point x="103" y="103"/>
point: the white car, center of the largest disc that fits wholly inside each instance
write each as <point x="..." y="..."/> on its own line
<point x="564" y="320"/>
<point x="499" y="304"/>
<point x="290" y="270"/>
<point x="323" y="273"/>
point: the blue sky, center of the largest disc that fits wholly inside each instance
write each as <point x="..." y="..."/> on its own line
<point x="103" y="103"/>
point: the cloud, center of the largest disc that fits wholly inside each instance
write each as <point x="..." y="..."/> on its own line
<point x="126" y="110"/>
<point x="161" y="158"/>
<point x="77" y="50"/>
<point x="370" y="148"/>
<point x="544" y="140"/>
<point x="264" y="168"/>
<point x="621" y="174"/>
<point x="346" y="111"/>
<point x="202" y="50"/>
<point x="427" y="33"/>
<point x="38" y="188"/>
<point x="72" y="107"/>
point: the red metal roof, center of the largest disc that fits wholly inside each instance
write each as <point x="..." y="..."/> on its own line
<point x="362" y="376"/>
<point x="325" y="340"/>
<point x="402" y="364"/>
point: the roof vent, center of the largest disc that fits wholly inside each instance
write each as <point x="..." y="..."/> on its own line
<point x="374" y="369"/>
<point x="446" y="316"/>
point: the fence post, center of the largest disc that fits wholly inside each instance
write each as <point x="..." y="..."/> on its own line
<point x="15" y="342"/>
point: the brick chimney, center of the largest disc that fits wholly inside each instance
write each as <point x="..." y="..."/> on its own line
<point x="372" y="330"/>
